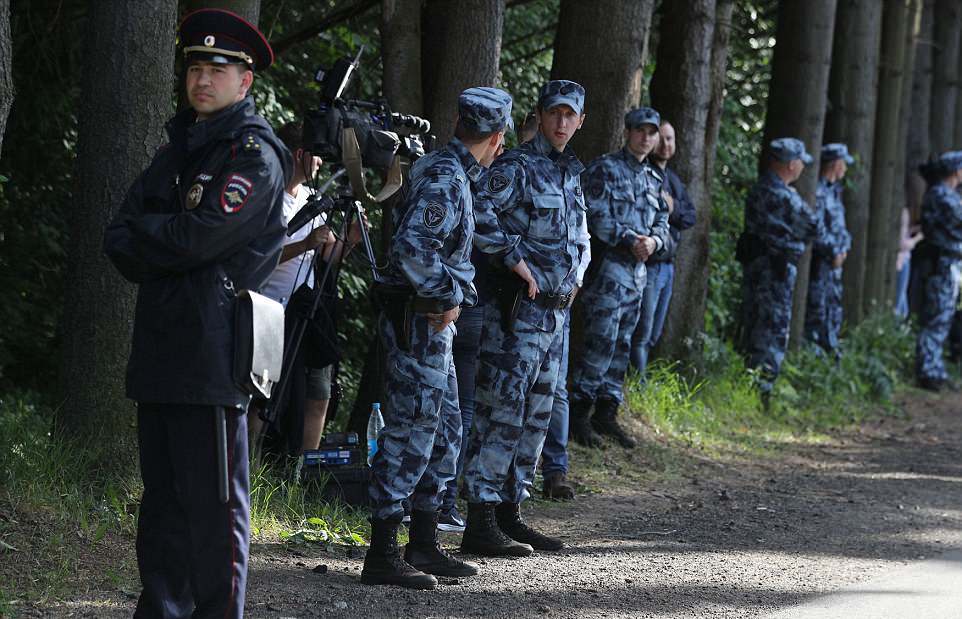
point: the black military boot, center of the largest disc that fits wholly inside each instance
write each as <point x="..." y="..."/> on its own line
<point x="579" y="424"/>
<point x="556" y="487"/>
<point x="482" y="536"/>
<point x="509" y="520"/>
<point x="605" y="422"/>
<point x="383" y="564"/>
<point x="425" y="553"/>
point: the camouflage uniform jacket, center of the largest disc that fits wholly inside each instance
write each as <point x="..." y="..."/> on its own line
<point x="833" y="237"/>
<point x="531" y="207"/>
<point x="433" y="233"/>
<point x="779" y="218"/>
<point x="624" y="202"/>
<point x="942" y="219"/>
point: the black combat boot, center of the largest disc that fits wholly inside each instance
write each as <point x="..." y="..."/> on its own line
<point x="483" y="537"/>
<point x="383" y="564"/>
<point x="425" y="553"/>
<point x="605" y="422"/>
<point x="556" y="487"/>
<point x="579" y="424"/>
<point x="509" y="520"/>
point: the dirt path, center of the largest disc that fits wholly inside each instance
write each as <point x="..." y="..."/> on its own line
<point x="732" y="538"/>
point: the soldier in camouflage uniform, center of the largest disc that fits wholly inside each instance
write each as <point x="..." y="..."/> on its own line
<point x="628" y="221"/>
<point x="942" y="264"/>
<point x="823" y="315"/>
<point x="531" y="220"/>
<point x="778" y="225"/>
<point x="429" y="278"/>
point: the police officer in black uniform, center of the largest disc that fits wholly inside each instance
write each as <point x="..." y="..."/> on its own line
<point x="202" y="221"/>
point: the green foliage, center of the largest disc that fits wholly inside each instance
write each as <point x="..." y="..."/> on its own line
<point x="527" y="52"/>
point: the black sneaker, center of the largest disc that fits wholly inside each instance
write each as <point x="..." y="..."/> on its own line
<point x="451" y="521"/>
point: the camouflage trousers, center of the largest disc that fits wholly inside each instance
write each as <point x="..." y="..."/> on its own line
<point x="823" y="312"/>
<point x="766" y="316"/>
<point x="517" y="373"/>
<point x="612" y="314"/>
<point x="941" y="292"/>
<point x="418" y="447"/>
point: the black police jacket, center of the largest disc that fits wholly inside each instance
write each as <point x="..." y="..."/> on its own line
<point x="203" y="220"/>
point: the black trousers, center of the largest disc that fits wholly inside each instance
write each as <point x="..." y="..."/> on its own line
<point x="191" y="548"/>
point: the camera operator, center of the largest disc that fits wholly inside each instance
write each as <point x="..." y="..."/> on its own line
<point x="294" y="278"/>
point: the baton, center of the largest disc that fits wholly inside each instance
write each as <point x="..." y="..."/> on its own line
<point x="221" y="423"/>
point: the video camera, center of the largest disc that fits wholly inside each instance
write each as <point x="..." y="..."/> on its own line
<point x="381" y="134"/>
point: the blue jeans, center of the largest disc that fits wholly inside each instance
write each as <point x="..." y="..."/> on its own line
<point x="654" y="308"/>
<point x="554" y="454"/>
<point x="902" y="289"/>
<point x="467" y="347"/>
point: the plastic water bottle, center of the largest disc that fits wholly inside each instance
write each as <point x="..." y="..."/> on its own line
<point x="374" y="424"/>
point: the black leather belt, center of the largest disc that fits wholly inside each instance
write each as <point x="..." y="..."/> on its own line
<point x="552" y="301"/>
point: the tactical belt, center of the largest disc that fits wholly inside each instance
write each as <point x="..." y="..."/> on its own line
<point x="399" y="304"/>
<point x="552" y="301"/>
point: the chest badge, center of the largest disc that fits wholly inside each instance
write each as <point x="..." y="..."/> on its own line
<point x="578" y="190"/>
<point x="194" y="196"/>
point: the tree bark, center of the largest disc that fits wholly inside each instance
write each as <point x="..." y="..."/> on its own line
<point x="401" y="54"/>
<point x="945" y="74"/>
<point x="133" y="99"/>
<point x="6" y="67"/>
<point x="880" y="265"/>
<point x="248" y="9"/>
<point x="601" y="46"/>
<point x="461" y="46"/>
<point x="851" y="119"/>
<point x="682" y="91"/>
<point x="796" y="104"/>
<point x="919" y="142"/>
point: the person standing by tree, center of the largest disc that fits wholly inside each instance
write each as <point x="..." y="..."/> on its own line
<point x="430" y="276"/>
<point x="942" y="251"/>
<point x="531" y="220"/>
<point x="823" y="315"/>
<point x="203" y="220"/>
<point x="778" y="225"/>
<point x="628" y="219"/>
<point x="661" y="265"/>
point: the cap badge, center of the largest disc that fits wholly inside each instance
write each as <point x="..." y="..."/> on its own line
<point x="194" y="195"/>
<point x="209" y="40"/>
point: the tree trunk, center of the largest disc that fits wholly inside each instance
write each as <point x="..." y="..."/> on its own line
<point x="796" y="104"/>
<point x="6" y="67"/>
<point x="957" y="143"/>
<point x="401" y="55"/>
<point x="880" y="264"/>
<point x="461" y="45"/>
<point x="945" y="74"/>
<point x="851" y="119"/>
<point x="682" y="91"/>
<point x="133" y="99"/>
<point x="248" y="9"/>
<point x="919" y="143"/>
<point x="600" y="45"/>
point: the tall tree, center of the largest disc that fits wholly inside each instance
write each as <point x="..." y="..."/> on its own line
<point x="945" y="73"/>
<point x="919" y="110"/>
<point x="461" y="46"/>
<point x="601" y="45"/>
<point x="401" y="54"/>
<point x="682" y="90"/>
<point x="133" y="98"/>
<point x="248" y="9"/>
<point x="797" y="100"/>
<point x="851" y="119"/>
<point x="6" y="67"/>
<point x="880" y="266"/>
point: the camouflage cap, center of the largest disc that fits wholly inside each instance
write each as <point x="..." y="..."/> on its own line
<point x="951" y="161"/>
<point x="836" y="150"/>
<point x="486" y="110"/>
<point x="639" y="116"/>
<point x="562" y="92"/>
<point x="788" y="149"/>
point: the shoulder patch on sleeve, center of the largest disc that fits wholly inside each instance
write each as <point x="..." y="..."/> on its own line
<point x="235" y="193"/>
<point x="434" y="215"/>
<point x="497" y="182"/>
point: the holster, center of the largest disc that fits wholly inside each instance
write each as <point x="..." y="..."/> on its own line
<point x="394" y="301"/>
<point x="508" y="291"/>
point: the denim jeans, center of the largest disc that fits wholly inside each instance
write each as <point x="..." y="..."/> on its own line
<point x="654" y="308"/>
<point x="554" y="455"/>
<point x="467" y="347"/>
